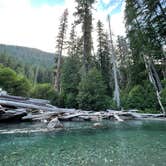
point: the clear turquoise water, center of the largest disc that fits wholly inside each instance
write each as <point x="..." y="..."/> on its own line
<point x="139" y="143"/>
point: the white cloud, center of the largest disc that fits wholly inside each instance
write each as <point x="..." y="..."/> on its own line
<point x="106" y="1"/>
<point x="22" y="24"/>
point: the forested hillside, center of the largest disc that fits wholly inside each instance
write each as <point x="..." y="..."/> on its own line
<point x="29" y="55"/>
<point x="35" y="64"/>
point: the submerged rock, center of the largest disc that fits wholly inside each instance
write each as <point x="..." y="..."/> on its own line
<point x="54" y="123"/>
<point x="96" y="125"/>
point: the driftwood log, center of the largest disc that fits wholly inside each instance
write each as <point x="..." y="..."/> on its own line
<point x="23" y="109"/>
<point x="11" y="115"/>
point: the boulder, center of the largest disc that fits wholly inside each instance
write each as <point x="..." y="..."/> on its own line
<point x="54" y="123"/>
<point x="97" y="125"/>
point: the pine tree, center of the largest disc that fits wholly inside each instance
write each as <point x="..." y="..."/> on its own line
<point x="103" y="55"/>
<point x="84" y="14"/>
<point x="59" y="46"/>
<point x="72" y="43"/>
<point x="70" y="71"/>
<point x="92" y="92"/>
<point x="143" y="35"/>
<point x="124" y="61"/>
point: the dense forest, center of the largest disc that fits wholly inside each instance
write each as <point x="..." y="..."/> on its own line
<point x="123" y="74"/>
<point x="36" y="65"/>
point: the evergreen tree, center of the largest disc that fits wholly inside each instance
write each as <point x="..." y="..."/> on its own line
<point x="59" y="46"/>
<point x="103" y="55"/>
<point x="84" y="14"/>
<point x="71" y="71"/>
<point x="124" y="61"/>
<point x="70" y="80"/>
<point x="72" y="43"/>
<point x="92" y="92"/>
<point x="143" y="35"/>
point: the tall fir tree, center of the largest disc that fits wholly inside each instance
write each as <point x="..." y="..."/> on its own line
<point x="84" y="14"/>
<point x="103" y="55"/>
<point x="143" y="35"/>
<point x="60" y="43"/>
<point x="124" y="61"/>
<point x="70" y="71"/>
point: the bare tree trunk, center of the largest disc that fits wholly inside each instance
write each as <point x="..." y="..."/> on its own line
<point x="155" y="75"/>
<point x="36" y="75"/>
<point x="58" y="72"/>
<point x="116" y="92"/>
<point x="152" y="79"/>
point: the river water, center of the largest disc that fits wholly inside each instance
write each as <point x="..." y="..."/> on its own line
<point x="132" y="143"/>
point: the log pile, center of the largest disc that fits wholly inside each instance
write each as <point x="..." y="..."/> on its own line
<point x="29" y="109"/>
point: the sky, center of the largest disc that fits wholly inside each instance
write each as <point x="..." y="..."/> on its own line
<point x="34" y="23"/>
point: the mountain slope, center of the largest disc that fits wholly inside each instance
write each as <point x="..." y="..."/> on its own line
<point x="30" y="56"/>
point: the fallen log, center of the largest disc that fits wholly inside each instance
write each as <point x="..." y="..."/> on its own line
<point x="11" y="115"/>
<point x="68" y="117"/>
<point x="40" y="117"/>
<point x="33" y="100"/>
<point x="118" y="118"/>
<point x="29" y="101"/>
<point x="31" y="106"/>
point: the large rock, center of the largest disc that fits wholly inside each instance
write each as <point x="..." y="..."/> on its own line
<point x="54" y="123"/>
<point x="97" y="125"/>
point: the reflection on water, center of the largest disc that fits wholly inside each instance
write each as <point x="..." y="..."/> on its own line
<point x="133" y="143"/>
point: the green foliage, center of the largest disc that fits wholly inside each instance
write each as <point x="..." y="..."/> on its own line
<point x="22" y="86"/>
<point x="70" y="100"/>
<point x="70" y="75"/>
<point x="163" y="82"/>
<point x="163" y="97"/>
<point x="58" y="100"/>
<point x="44" y="91"/>
<point x="142" y="98"/>
<point x="92" y="92"/>
<point x="34" y="73"/>
<point x="103" y="55"/>
<point x="13" y="83"/>
<point x="70" y="80"/>
<point x="29" y="56"/>
<point x="7" y="78"/>
<point x="84" y="16"/>
<point x="135" y="97"/>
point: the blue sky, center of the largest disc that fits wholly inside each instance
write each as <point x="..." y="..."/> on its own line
<point x="39" y="3"/>
<point x="102" y="5"/>
<point x="106" y="6"/>
<point x="34" y="23"/>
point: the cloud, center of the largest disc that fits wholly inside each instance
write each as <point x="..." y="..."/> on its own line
<point x="106" y="1"/>
<point x="22" y="24"/>
<point x="117" y="19"/>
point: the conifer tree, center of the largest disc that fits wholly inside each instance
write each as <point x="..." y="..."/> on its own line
<point x="59" y="46"/>
<point x="84" y="14"/>
<point x="103" y="55"/>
